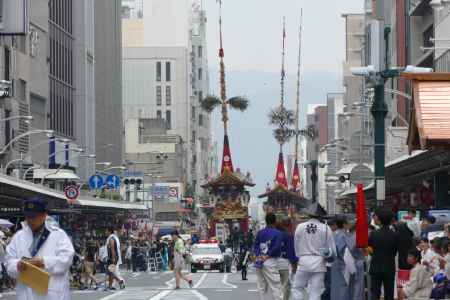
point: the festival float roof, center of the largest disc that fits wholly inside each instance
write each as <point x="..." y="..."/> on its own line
<point x="282" y="193"/>
<point x="227" y="178"/>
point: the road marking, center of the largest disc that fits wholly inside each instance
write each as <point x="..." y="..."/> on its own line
<point x="160" y="295"/>
<point x="200" y="281"/>
<point x="169" y="283"/>
<point x="199" y="296"/>
<point x="252" y="290"/>
<point x="136" y="274"/>
<point x="225" y="281"/>
<point x="113" y="295"/>
<point x="224" y="290"/>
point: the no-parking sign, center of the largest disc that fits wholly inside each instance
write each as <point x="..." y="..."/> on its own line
<point x="72" y="192"/>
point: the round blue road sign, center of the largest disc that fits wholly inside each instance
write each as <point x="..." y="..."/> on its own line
<point x="113" y="181"/>
<point x="96" y="182"/>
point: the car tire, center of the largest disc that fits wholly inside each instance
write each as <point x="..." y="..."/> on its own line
<point x="193" y="270"/>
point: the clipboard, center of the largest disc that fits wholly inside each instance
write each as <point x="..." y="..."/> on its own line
<point x="36" y="278"/>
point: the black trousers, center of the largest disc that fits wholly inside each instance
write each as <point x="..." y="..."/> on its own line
<point x="387" y="279"/>
<point x="244" y="272"/>
<point x="327" y="282"/>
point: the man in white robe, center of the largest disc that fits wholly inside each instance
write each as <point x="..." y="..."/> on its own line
<point x="43" y="244"/>
<point x="313" y="242"/>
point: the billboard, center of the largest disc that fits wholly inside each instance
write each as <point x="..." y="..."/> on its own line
<point x="13" y="17"/>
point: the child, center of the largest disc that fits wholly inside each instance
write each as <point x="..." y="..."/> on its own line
<point x="419" y="285"/>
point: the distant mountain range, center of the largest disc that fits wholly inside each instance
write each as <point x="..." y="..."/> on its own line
<point x="252" y="144"/>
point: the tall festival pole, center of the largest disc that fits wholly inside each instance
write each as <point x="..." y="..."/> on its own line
<point x="296" y="173"/>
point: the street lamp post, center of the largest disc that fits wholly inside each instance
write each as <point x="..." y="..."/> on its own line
<point x="379" y="111"/>
<point x="22" y="136"/>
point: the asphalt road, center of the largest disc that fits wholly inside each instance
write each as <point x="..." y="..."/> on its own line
<point x="160" y="286"/>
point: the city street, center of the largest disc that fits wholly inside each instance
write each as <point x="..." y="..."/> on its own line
<point x="160" y="286"/>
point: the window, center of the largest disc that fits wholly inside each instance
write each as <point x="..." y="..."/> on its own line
<point x="158" y="114"/>
<point x="193" y="136"/>
<point x="193" y="112"/>
<point x="200" y="96"/>
<point x="200" y="120"/>
<point x="7" y="63"/>
<point x="200" y="51"/>
<point x="158" y="95"/>
<point x="168" y="95"/>
<point x="200" y="74"/>
<point x="168" y="119"/>
<point x="168" y="75"/>
<point x="158" y="71"/>
<point x="7" y="127"/>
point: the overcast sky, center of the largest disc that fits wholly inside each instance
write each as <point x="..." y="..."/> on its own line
<point x="252" y="33"/>
<point x="252" y="42"/>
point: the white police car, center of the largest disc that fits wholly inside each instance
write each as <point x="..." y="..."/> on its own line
<point x="206" y="255"/>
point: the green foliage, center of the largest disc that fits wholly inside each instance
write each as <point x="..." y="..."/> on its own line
<point x="238" y="103"/>
<point x="210" y="103"/>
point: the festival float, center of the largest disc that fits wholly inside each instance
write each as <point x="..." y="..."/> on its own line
<point x="227" y="195"/>
<point x="282" y="200"/>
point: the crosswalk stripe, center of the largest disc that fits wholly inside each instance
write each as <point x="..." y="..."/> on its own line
<point x="200" y="281"/>
<point x="160" y="295"/>
<point x="113" y="295"/>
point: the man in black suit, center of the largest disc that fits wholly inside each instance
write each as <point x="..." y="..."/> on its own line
<point x="384" y="243"/>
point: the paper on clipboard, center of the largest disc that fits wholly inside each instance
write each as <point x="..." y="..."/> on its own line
<point x="35" y="277"/>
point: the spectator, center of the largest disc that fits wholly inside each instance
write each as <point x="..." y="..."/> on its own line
<point x="419" y="285"/>
<point x="412" y="222"/>
<point x="384" y="244"/>
<point x="405" y="243"/>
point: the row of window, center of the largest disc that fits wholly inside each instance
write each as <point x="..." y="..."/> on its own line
<point x="159" y="71"/>
<point x="201" y="120"/>
<point x="199" y="51"/>
<point x="168" y="117"/>
<point x="159" y="95"/>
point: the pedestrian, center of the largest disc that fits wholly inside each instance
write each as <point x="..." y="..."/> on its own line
<point x="405" y="243"/>
<point x="340" y="286"/>
<point x="384" y="245"/>
<point x="243" y="261"/>
<point x="89" y="265"/>
<point x="356" y="280"/>
<point x="178" y="260"/>
<point x="419" y="285"/>
<point x="40" y="243"/>
<point x="327" y="282"/>
<point x="114" y="260"/>
<point x="267" y="249"/>
<point x="287" y="263"/>
<point x="165" y="255"/>
<point x="314" y="246"/>
<point x="128" y="256"/>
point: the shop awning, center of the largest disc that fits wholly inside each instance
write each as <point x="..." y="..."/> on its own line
<point x="353" y="191"/>
<point x="430" y="116"/>
<point x="52" y="174"/>
<point x="26" y="185"/>
<point x="110" y="204"/>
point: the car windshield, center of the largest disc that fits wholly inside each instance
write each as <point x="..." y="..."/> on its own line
<point x="206" y="251"/>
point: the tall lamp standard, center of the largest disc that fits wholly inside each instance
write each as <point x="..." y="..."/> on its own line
<point x="379" y="112"/>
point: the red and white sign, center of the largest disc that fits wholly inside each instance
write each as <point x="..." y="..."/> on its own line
<point x="72" y="192"/>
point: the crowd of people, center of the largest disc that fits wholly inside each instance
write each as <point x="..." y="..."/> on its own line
<point x="404" y="259"/>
